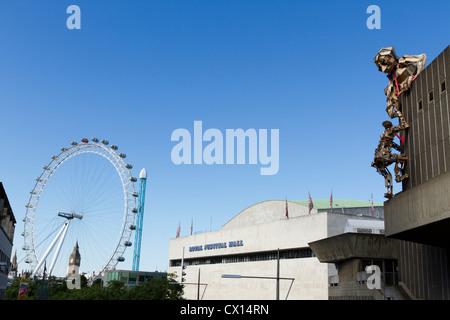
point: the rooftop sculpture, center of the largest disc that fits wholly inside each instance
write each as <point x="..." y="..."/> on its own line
<point x="401" y="72"/>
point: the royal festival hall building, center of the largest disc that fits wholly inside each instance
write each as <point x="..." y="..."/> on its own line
<point x="244" y="259"/>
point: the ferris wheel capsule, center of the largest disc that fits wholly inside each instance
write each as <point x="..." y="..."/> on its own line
<point x="121" y="259"/>
<point x="74" y="143"/>
<point x="114" y="147"/>
<point x="84" y="140"/>
<point x="105" y="142"/>
<point x="122" y="155"/>
<point x="94" y="140"/>
<point x="129" y="166"/>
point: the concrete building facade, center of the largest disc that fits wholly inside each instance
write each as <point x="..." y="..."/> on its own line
<point x="249" y="246"/>
<point x="7" y="228"/>
<point x="420" y="214"/>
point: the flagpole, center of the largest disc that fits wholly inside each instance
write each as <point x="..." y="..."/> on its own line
<point x="371" y="196"/>
<point x="287" y="214"/>
<point x="178" y="230"/>
<point x="331" y="200"/>
<point x="310" y="202"/>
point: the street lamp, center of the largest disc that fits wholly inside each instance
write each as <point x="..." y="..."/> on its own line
<point x="233" y="276"/>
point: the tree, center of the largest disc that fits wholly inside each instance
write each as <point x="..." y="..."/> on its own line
<point x="155" y="289"/>
<point x="116" y="290"/>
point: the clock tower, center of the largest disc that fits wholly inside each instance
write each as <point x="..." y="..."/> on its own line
<point x="74" y="261"/>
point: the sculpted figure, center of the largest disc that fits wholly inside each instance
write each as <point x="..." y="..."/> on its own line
<point x="400" y="72"/>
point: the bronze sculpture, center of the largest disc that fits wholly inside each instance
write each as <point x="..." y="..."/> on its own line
<point x="400" y="72"/>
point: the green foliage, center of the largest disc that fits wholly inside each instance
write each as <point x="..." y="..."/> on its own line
<point x="156" y="289"/>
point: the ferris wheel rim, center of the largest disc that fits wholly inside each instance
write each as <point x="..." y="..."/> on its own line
<point x="127" y="180"/>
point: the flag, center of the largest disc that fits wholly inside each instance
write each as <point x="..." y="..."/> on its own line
<point x="311" y="205"/>
<point x="287" y="213"/>
<point x="23" y="289"/>
<point x="178" y="230"/>
<point x="192" y="225"/>
<point x="371" y="200"/>
<point x="331" y="201"/>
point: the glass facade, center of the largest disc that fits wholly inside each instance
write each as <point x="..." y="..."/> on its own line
<point x="246" y="257"/>
<point x="133" y="278"/>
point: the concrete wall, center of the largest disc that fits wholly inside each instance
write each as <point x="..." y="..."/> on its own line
<point x="310" y="281"/>
<point x="427" y="145"/>
<point x="427" y="141"/>
<point x="7" y="227"/>
<point x="421" y="214"/>
<point x="354" y="245"/>
<point x="262" y="227"/>
<point x="348" y="287"/>
<point x="425" y="270"/>
<point x="378" y="211"/>
<point x="5" y="256"/>
<point x="311" y="275"/>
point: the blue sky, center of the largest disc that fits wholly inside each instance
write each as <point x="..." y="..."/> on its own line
<point x="138" y="70"/>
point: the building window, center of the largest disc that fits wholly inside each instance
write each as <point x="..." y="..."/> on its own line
<point x="246" y="257"/>
<point x="419" y="104"/>
<point x="430" y="96"/>
<point x="443" y="87"/>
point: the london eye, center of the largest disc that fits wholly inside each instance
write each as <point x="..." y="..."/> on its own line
<point x="84" y="195"/>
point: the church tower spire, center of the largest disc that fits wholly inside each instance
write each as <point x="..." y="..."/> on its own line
<point x="74" y="261"/>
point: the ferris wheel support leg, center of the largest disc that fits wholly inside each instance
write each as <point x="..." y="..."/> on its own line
<point x="58" y="249"/>
<point x="63" y="229"/>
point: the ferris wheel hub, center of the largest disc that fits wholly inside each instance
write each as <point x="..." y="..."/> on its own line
<point x="70" y="215"/>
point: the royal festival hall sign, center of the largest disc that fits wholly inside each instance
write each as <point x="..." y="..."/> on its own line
<point x="219" y="245"/>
